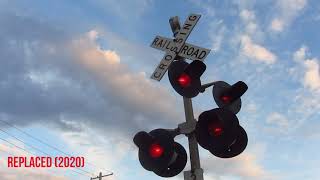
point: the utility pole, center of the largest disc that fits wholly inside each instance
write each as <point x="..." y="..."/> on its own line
<point x="101" y="176"/>
<point x="196" y="172"/>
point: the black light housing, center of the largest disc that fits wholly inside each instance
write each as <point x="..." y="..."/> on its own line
<point x="218" y="131"/>
<point x="158" y="152"/>
<point x="227" y="96"/>
<point x="185" y="78"/>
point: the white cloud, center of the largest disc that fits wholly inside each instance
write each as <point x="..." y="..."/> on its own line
<point x="110" y="56"/>
<point x="217" y="32"/>
<point x="105" y="153"/>
<point x="303" y="107"/>
<point x="133" y="88"/>
<point x="278" y="119"/>
<point x="311" y="78"/>
<point x="256" y="51"/>
<point x="277" y="25"/>
<point x="252" y="30"/>
<point x="244" y="166"/>
<point x="250" y="22"/>
<point x="288" y="10"/>
<point x="312" y="74"/>
<point x="93" y="34"/>
<point x="300" y="54"/>
<point x="247" y="15"/>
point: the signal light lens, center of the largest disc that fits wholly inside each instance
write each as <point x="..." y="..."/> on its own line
<point x="184" y="80"/>
<point x="225" y="98"/>
<point x="156" y="150"/>
<point x="215" y="130"/>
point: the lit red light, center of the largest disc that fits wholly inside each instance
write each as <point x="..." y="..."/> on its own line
<point x="215" y="130"/>
<point x="184" y="80"/>
<point x="156" y="150"/>
<point x="226" y="99"/>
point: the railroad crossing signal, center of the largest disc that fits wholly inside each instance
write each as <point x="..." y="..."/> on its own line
<point x="185" y="78"/>
<point x="217" y="130"/>
<point x="158" y="152"/>
<point x="178" y="47"/>
<point x="228" y="96"/>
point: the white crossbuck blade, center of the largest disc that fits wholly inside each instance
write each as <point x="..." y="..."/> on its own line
<point x="179" y="43"/>
<point x="188" y="51"/>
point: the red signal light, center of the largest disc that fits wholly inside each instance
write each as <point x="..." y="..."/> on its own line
<point x="184" y="80"/>
<point x="156" y="150"/>
<point x="215" y="130"/>
<point x="225" y="98"/>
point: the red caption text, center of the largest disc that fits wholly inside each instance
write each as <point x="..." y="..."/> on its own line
<point x="45" y="162"/>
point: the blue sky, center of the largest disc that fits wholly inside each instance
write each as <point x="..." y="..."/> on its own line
<point x="76" y="75"/>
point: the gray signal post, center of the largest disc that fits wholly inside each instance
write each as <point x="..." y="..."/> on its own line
<point x="179" y="50"/>
<point x="196" y="172"/>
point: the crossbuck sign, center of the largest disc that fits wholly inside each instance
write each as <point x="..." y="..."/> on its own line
<point x="178" y="47"/>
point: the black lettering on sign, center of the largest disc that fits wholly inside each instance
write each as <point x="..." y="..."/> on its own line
<point x="155" y="41"/>
<point x="183" y="33"/>
<point x="165" y="43"/>
<point x="184" y="49"/>
<point x="160" y="43"/>
<point x="179" y="40"/>
<point x="168" y="45"/>
<point x="195" y="53"/>
<point x="187" y="26"/>
<point x="202" y="54"/>
<point x="190" y="51"/>
<point x="168" y="57"/>
<point x="192" y="18"/>
<point x="162" y="66"/>
<point x="174" y="49"/>
<point x="156" y="76"/>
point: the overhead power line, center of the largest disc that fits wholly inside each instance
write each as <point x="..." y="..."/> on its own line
<point x="48" y="145"/>
<point x="37" y="149"/>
